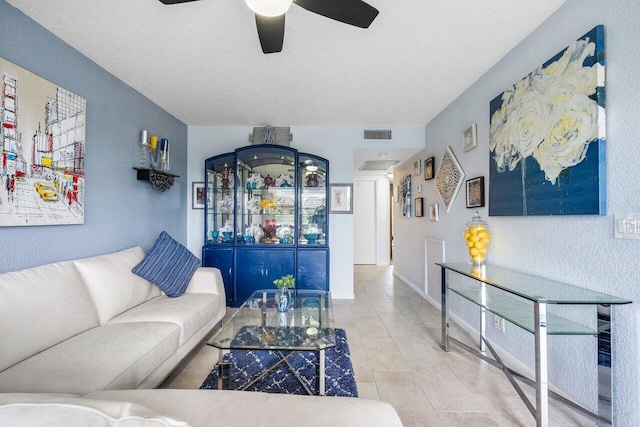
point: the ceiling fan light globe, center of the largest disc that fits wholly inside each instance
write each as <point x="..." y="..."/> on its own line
<point x="269" y="7"/>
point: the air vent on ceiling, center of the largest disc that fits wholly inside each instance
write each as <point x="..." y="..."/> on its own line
<point x="377" y="165"/>
<point x="377" y="134"/>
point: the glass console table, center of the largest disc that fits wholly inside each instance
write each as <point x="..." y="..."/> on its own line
<point x="511" y="295"/>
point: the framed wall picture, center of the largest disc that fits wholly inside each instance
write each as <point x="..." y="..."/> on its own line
<point x="475" y="192"/>
<point x="429" y="168"/>
<point x="470" y="138"/>
<point x="417" y="168"/>
<point x="341" y="198"/>
<point x="197" y="195"/>
<point x="433" y="212"/>
<point x="42" y="168"/>
<point x="419" y="203"/>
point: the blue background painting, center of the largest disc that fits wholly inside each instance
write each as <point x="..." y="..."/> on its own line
<point x="579" y="190"/>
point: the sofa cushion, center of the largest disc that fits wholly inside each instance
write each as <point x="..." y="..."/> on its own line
<point x="111" y="284"/>
<point x="169" y="265"/>
<point x="112" y="356"/>
<point x="190" y="312"/>
<point x="39" y="307"/>
<point x="51" y="410"/>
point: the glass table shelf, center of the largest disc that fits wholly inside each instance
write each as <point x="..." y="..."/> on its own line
<point x="518" y="312"/>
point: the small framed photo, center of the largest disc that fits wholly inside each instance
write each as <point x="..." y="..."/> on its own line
<point x="417" y="168"/>
<point x="198" y="195"/>
<point x="419" y="203"/>
<point x="341" y="198"/>
<point x="475" y="192"/>
<point x="433" y="212"/>
<point x="470" y="138"/>
<point x="419" y="188"/>
<point x="428" y="169"/>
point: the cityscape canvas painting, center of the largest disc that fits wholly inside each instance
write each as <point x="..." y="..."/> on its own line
<point x="547" y="137"/>
<point x="42" y="146"/>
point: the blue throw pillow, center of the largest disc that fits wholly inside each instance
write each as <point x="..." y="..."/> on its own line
<point x="169" y="265"/>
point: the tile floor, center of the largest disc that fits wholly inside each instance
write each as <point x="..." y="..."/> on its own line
<point x="394" y="337"/>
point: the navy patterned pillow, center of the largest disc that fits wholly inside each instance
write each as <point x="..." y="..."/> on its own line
<point x="169" y="265"/>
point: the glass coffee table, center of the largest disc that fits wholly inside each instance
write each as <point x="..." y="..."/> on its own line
<point x="306" y="326"/>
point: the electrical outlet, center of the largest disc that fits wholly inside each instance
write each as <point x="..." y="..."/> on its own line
<point x="498" y="322"/>
<point x="627" y="226"/>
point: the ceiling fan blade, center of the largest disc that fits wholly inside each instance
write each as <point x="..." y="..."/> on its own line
<point x="352" y="12"/>
<point x="175" y="1"/>
<point x="271" y="32"/>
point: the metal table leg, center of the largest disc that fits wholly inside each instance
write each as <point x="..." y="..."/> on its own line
<point x="220" y="368"/>
<point x="542" y="387"/>
<point x="321" y="378"/>
<point x="444" y="275"/>
<point x="605" y="366"/>
<point x="483" y="317"/>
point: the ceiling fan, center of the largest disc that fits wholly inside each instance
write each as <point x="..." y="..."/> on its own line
<point x="270" y="16"/>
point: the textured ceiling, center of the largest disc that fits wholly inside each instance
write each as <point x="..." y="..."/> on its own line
<point x="202" y="61"/>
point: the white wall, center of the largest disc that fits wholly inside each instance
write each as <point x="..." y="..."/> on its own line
<point x="579" y="250"/>
<point x="334" y="143"/>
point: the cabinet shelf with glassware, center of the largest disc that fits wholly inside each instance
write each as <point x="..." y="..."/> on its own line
<point x="261" y="198"/>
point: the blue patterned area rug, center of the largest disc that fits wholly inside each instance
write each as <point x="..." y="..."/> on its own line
<point x="245" y="365"/>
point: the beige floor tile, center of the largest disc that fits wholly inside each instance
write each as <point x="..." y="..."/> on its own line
<point x="368" y="390"/>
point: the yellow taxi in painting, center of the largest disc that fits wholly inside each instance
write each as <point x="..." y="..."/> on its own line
<point x="46" y="191"/>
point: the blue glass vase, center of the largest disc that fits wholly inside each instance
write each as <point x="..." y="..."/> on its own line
<point x="283" y="299"/>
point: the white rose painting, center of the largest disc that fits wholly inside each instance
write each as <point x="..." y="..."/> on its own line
<point x="547" y="137"/>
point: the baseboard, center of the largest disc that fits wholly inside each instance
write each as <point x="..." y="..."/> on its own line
<point x="410" y="284"/>
<point x="342" y="296"/>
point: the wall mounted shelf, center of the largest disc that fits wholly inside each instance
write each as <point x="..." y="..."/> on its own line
<point x="162" y="181"/>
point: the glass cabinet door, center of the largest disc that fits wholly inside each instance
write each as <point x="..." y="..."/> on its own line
<point x="219" y="203"/>
<point x="313" y="175"/>
<point x="266" y="195"/>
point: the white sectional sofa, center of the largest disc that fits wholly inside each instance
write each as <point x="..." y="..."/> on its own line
<point x="80" y="339"/>
<point x="91" y="324"/>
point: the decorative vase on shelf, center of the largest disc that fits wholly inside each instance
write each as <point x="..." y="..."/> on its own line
<point x="256" y="233"/>
<point x="312" y="180"/>
<point x="312" y="233"/>
<point x="285" y="234"/>
<point x="477" y="236"/>
<point x="226" y="231"/>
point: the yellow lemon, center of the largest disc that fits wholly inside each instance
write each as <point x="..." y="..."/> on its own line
<point x="483" y="251"/>
<point x="485" y="241"/>
<point x="479" y="245"/>
<point x="473" y="230"/>
<point x="466" y="235"/>
<point x="470" y="243"/>
<point x="474" y="238"/>
<point x="483" y="233"/>
<point x="473" y="252"/>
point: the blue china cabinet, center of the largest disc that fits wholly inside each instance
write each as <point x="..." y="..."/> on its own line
<point x="266" y="215"/>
